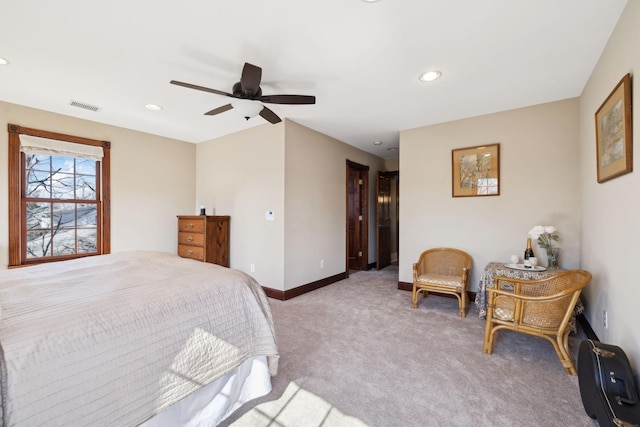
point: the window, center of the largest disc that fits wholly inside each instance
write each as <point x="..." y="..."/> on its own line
<point x="58" y="196"/>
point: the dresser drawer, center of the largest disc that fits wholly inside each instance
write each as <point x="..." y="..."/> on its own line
<point x="195" y="225"/>
<point x="193" y="252"/>
<point x="190" y="238"/>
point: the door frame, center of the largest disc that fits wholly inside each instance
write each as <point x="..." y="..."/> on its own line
<point x="394" y="176"/>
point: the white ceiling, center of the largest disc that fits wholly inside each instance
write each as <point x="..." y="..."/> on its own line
<point x="361" y="60"/>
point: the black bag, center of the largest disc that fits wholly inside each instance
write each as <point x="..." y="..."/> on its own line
<point x="607" y="386"/>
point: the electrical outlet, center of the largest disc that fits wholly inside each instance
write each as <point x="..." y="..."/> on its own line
<point x="252" y="267"/>
<point x="605" y="319"/>
<point x="321" y="263"/>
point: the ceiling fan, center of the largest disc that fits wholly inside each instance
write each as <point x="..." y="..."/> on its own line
<point x="249" y="96"/>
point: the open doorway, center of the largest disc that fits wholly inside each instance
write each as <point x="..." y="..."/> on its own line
<point x="387" y="223"/>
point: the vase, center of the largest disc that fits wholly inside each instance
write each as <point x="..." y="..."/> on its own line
<point x="552" y="258"/>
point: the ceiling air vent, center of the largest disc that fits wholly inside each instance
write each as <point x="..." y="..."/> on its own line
<point x="84" y="105"/>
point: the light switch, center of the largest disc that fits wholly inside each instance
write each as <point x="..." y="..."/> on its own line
<point x="270" y="216"/>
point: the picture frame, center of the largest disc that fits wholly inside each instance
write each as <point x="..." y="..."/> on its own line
<point x="614" y="134"/>
<point x="476" y="171"/>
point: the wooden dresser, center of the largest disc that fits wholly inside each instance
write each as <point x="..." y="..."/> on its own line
<point x="205" y="238"/>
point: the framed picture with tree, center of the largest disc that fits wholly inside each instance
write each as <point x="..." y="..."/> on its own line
<point x="614" y="136"/>
<point x="476" y="171"/>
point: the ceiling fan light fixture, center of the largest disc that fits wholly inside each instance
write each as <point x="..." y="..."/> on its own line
<point x="430" y="76"/>
<point x="247" y="107"/>
<point x="248" y="96"/>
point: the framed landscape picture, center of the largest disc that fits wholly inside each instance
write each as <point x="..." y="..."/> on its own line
<point x="614" y="143"/>
<point x="476" y="171"/>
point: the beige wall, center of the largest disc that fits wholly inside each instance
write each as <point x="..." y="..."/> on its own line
<point x="242" y="175"/>
<point x="152" y="179"/>
<point x="315" y="203"/>
<point x="297" y="173"/>
<point x="392" y="164"/>
<point x="538" y="185"/>
<point x="611" y="210"/>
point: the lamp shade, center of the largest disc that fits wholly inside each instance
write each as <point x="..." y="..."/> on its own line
<point x="247" y="107"/>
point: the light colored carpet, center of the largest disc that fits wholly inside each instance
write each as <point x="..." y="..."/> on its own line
<point x="355" y="353"/>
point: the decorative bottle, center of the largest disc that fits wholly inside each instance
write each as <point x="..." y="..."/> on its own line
<point x="528" y="253"/>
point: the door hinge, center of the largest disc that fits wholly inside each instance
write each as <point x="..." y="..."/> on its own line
<point x="360" y="218"/>
<point x="360" y="182"/>
<point x="360" y="253"/>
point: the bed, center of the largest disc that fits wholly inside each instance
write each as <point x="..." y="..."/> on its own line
<point x="128" y="339"/>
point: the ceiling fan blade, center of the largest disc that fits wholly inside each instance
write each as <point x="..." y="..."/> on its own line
<point x="202" y="88"/>
<point x="270" y="116"/>
<point x="219" y="110"/>
<point x="288" y="99"/>
<point x="250" y="80"/>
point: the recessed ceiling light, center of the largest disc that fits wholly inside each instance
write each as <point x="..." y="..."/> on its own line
<point x="370" y="1"/>
<point x="391" y="149"/>
<point x="3" y="61"/>
<point x="377" y="142"/>
<point x="430" y="76"/>
<point x="153" y="107"/>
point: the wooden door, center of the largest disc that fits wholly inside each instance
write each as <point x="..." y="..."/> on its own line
<point x="383" y="220"/>
<point x="357" y="216"/>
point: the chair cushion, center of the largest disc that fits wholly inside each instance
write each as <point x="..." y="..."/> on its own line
<point x="440" y="279"/>
<point x="504" y="307"/>
<point x="503" y="313"/>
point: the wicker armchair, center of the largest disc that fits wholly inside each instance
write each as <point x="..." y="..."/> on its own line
<point x="442" y="270"/>
<point x="540" y="307"/>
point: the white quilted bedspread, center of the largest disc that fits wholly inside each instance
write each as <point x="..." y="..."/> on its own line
<point x="114" y="339"/>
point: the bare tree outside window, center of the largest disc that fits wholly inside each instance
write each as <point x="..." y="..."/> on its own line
<point x="61" y="205"/>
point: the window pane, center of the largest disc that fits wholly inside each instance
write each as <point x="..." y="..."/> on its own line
<point x="38" y="243"/>
<point x="64" y="215"/>
<point x="86" y="166"/>
<point x="38" y="215"/>
<point x="64" y="242"/>
<point x="62" y="164"/>
<point x="38" y="162"/>
<point x="62" y="187"/>
<point x="87" y="216"/>
<point x="87" y="240"/>
<point x="86" y="187"/>
<point x="38" y="184"/>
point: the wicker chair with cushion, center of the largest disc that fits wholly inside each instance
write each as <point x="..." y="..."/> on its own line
<point x="442" y="270"/>
<point x="541" y="307"/>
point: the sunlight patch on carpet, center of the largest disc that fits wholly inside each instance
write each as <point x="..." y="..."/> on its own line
<point x="297" y="407"/>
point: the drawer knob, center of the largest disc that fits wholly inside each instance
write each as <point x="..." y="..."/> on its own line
<point x="190" y="252"/>
<point x="189" y="225"/>
<point x="190" y="239"/>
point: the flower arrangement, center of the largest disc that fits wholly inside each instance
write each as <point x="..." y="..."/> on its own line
<point x="546" y="235"/>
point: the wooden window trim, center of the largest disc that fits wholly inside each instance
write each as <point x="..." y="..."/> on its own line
<point x="15" y="184"/>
